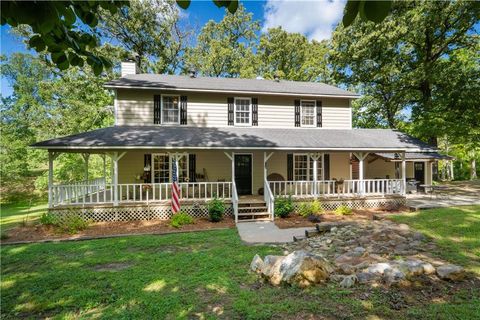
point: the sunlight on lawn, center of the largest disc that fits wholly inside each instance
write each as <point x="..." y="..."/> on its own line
<point x="456" y="231"/>
<point x="17" y="213"/>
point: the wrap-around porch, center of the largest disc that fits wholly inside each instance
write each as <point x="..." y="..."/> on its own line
<point x="144" y="177"/>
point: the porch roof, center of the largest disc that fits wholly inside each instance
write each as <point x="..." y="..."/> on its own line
<point x="416" y="156"/>
<point x="185" y="137"/>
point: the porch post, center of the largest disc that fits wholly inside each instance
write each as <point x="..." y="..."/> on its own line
<point x="115" y="178"/>
<point x="51" y="157"/>
<point x="86" y="157"/>
<point x="315" y="173"/>
<point x="104" y="169"/>
<point x="232" y="158"/>
<point x="404" y="175"/>
<point x="265" y="160"/>
<point x="115" y="157"/>
<point x="361" y="156"/>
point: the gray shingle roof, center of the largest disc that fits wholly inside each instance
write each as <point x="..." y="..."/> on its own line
<point x="234" y="137"/>
<point x="172" y="82"/>
<point x="416" y="156"/>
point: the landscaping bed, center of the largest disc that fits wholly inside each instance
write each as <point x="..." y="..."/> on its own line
<point x="35" y="231"/>
<point x="295" y="220"/>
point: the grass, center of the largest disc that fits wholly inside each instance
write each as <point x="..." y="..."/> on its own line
<point x="183" y="276"/>
<point x="455" y="230"/>
<point x="13" y="214"/>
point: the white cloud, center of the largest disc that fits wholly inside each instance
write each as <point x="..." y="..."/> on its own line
<point x="316" y="19"/>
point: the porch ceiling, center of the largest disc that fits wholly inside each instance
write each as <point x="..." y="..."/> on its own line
<point x="184" y="137"/>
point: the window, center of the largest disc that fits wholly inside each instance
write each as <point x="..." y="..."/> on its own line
<point x="243" y="110"/>
<point x="303" y="167"/>
<point x="308" y="113"/>
<point x="162" y="168"/>
<point x="170" y="109"/>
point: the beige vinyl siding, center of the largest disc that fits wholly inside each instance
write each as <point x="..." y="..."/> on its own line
<point x="339" y="165"/>
<point x="381" y="168"/>
<point x="135" y="107"/>
<point x="218" y="166"/>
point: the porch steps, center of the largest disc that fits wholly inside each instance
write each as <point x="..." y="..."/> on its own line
<point x="252" y="211"/>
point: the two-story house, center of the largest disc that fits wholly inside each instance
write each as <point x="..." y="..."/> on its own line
<point x="246" y="141"/>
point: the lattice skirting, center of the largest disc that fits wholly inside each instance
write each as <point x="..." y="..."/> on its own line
<point x="355" y="203"/>
<point x="131" y="213"/>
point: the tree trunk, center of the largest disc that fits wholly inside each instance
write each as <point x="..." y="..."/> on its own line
<point x="473" y="169"/>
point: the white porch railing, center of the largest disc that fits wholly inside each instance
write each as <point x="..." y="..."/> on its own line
<point x="235" y="201"/>
<point x="137" y="192"/>
<point x="74" y="190"/>
<point x="269" y="198"/>
<point x="334" y="188"/>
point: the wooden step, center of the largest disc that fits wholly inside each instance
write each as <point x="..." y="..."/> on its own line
<point x="249" y="209"/>
<point x="252" y="220"/>
<point x="263" y="213"/>
<point x="253" y="204"/>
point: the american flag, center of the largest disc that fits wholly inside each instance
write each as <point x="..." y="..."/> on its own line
<point x="175" y="189"/>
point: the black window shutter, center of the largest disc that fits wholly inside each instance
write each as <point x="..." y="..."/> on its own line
<point x="254" y="111"/>
<point x="297" y="113"/>
<point x="290" y="166"/>
<point x="230" y="102"/>
<point x="326" y="167"/>
<point x="156" y="109"/>
<point x="319" y="113"/>
<point x="192" y="167"/>
<point x="183" y="110"/>
<point x="147" y="175"/>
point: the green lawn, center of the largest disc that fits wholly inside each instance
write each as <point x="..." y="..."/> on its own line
<point x="456" y="231"/>
<point x="16" y="213"/>
<point x="190" y="275"/>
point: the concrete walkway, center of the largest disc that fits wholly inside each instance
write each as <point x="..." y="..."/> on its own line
<point x="267" y="232"/>
<point x="458" y="194"/>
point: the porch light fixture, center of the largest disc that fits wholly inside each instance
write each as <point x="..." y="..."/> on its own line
<point x="396" y="156"/>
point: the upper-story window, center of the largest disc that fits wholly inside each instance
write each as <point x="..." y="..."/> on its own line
<point x="243" y="111"/>
<point x="308" y="113"/>
<point x="170" y="109"/>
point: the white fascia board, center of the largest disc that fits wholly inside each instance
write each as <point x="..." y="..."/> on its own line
<point x="238" y="92"/>
<point x="231" y="148"/>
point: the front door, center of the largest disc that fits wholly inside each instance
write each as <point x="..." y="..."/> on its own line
<point x="243" y="173"/>
<point x="419" y="173"/>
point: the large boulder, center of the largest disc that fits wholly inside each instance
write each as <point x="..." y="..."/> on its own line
<point x="298" y="268"/>
<point x="451" y="272"/>
<point x="257" y="264"/>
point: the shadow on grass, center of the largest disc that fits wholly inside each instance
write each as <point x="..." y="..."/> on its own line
<point x="455" y="230"/>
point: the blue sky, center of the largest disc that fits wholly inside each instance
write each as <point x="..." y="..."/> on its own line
<point x="314" y="18"/>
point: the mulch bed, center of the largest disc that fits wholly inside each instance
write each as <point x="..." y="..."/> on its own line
<point x="39" y="232"/>
<point x="296" y="221"/>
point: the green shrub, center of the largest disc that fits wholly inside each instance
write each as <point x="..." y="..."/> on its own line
<point x="216" y="209"/>
<point x="343" y="210"/>
<point x="48" y="219"/>
<point x="310" y="208"/>
<point x="72" y="224"/>
<point x="283" y="206"/>
<point x="180" y="219"/>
